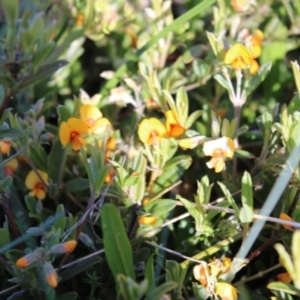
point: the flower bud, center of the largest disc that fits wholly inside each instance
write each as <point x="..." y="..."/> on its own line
<point x="50" y="274"/>
<point x="66" y="247"/>
<point x="147" y="220"/>
<point x="284" y="277"/>
<point x="28" y="259"/>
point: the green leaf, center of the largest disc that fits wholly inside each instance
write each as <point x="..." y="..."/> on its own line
<point x="78" y="268"/>
<point x="77" y="185"/>
<point x="193" y="212"/>
<point x="172" y="171"/>
<point x="116" y="243"/>
<point x="42" y="73"/>
<point x="59" y="218"/>
<point x="182" y="104"/>
<point x="254" y="82"/>
<point x="283" y="287"/>
<point x="160" y="207"/>
<point x="246" y="213"/>
<point x="229" y="198"/>
<point x="150" y="275"/>
<point x="243" y="154"/>
<point x="158" y="293"/>
<point x="192" y="118"/>
<point x="39" y="157"/>
<point x="10" y="133"/>
<point x="222" y="81"/>
<point x="63" y="113"/>
<point x="56" y="162"/>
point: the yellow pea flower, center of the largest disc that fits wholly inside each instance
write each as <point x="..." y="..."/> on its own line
<point x="72" y="131"/>
<point x="151" y="131"/>
<point x="226" y="291"/>
<point x="254" y="43"/>
<point x="173" y="126"/>
<point x="240" y="5"/>
<point x="37" y="187"/>
<point x="238" y="57"/>
<point x="147" y="220"/>
<point x="285" y="217"/>
<point x="92" y="116"/>
<point x="219" y="149"/>
<point x="5" y="146"/>
<point x="11" y="167"/>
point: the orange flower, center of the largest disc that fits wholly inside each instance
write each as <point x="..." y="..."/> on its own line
<point x="284" y="277"/>
<point x="147" y="220"/>
<point x="34" y="183"/>
<point x="174" y="129"/>
<point x="79" y="19"/>
<point x="285" y="217"/>
<point x="151" y="131"/>
<point x="5" y="147"/>
<point x="92" y="116"/>
<point x="72" y="131"/>
<point x="50" y="274"/>
<point x="11" y="167"/>
<point x="219" y="149"/>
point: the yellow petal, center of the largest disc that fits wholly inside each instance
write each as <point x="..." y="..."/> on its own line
<point x="147" y="220"/>
<point x="254" y="67"/>
<point x="238" y="56"/>
<point x="78" y="125"/>
<point x="64" y="133"/>
<point x="32" y="179"/>
<point x="100" y="126"/>
<point x="285" y="217"/>
<point x="151" y="130"/>
<point x="226" y="291"/>
<point x="88" y="112"/>
<point x="258" y="36"/>
<point x="40" y="194"/>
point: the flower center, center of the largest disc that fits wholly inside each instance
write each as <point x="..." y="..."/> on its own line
<point x="153" y="137"/>
<point x="39" y="186"/>
<point x="218" y="153"/>
<point x="91" y="121"/>
<point x="74" y="135"/>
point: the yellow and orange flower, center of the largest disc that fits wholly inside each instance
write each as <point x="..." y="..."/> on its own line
<point x="11" y="167"/>
<point x="36" y="185"/>
<point x="226" y="291"/>
<point x="5" y="146"/>
<point x="238" y="57"/>
<point x="151" y="131"/>
<point x="173" y="126"/>
<point x="28" y="259"/>
<point x="72" y="132"/>
<point x="219" y="149"/>
<point x="285" y="217"/>
<point x="92" y="116"/>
